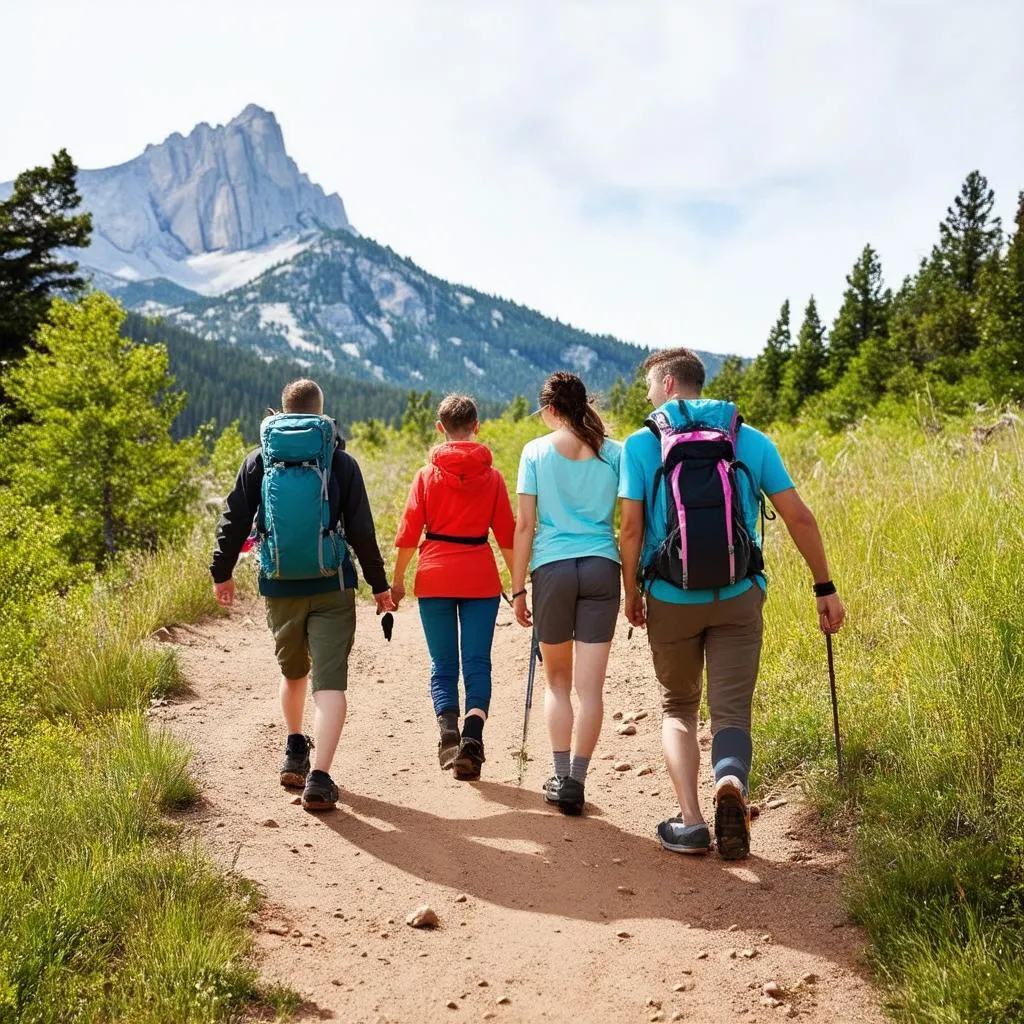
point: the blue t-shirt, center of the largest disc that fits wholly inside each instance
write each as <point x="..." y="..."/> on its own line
<point x="575" y="501"/>
<point x="641" y="459"/>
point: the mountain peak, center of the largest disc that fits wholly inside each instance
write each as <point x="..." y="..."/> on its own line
<point x="254" y="113"/>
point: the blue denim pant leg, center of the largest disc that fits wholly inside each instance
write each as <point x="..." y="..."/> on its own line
<point x="477" y="617"/>
<point x="440" y="618"/>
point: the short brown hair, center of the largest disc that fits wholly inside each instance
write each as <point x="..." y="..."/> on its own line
<point x="681" y="364"/>
<point x="457" y="413"/>
<point x="302" y="396"/>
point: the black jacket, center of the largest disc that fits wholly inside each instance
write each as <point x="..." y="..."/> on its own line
<point x="349" y="505"/>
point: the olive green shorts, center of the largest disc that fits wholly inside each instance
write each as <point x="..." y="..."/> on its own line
<point x="317" y="629"/>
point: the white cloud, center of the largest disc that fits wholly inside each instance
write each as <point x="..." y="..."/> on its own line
<point x="668" y="172"/>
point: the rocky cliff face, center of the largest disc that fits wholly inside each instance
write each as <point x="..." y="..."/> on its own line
<point x="219" y="189"/>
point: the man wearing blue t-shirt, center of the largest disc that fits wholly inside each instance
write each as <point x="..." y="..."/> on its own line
<point x="722" y="628"/>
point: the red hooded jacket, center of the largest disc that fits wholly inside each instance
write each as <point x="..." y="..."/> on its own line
<point x="460" y="494"/>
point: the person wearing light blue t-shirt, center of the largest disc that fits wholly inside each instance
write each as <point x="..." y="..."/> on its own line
<point x="568" y="484"/>
<point x="717" y="631"/>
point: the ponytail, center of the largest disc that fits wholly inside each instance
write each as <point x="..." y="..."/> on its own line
<point x="567" y="395"/>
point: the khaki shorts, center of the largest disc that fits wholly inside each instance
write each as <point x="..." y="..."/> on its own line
<point x="727" y="636"/>
<point x="320" y="629"/>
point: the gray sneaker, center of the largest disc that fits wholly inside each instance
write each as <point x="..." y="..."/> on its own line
<point x="679" y="837"/>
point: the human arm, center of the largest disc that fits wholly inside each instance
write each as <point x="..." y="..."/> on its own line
<point x="631" y="539"/>
<point x="234" y="526"/>
<point x="359" y="529"/>
<point x="522" y="547"/>
<point x="803" y="528"/>
<point x="398" y="579"/>
<point x="503" y="523"/>
<point x="410" y="530"/>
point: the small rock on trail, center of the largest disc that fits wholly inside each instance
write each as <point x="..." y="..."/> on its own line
<point x="423" y="917"/>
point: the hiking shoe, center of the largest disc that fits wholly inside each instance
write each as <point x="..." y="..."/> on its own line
<point x="570" y="796"/>
<point x="468" y="759"/>
<point x="448" y="748"/>
<point x="732" y="822"/>
<point x="295" y="767"/>
<point x="677" y="836"/>
<point x="551" y="789"/>
<point x="320" y="794"/>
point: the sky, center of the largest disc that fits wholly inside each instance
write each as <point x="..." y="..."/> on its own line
<point x="668" y="172"/>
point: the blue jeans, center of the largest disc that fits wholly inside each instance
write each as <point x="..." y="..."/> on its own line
<point x="451" y="624"/>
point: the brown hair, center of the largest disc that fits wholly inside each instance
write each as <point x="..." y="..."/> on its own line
<point x="302" y="396"/>
<point x="457" y="413"/>
<point x="681" y="364"/>
<point x="566" y="395"/>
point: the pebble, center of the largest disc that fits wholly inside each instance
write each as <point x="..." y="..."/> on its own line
<point x="623" y="935"/>
<point x="733" y="928"/>
<point x="452" y="1005"/>
<point x="625" y="890"/>
<point x="617" y="860"/>
<point x="684" y="986"/>
<point x="678" y="1015"/>
<point x="482" y="984"/>
<point x="339" y="915"/>
<point x="773" y="989"/>
<point x="461" y="898"/>
<point x="770" y="1001"/>
<point x="702" y="955"/>
<point x="808" y="979"/>
<point x="748" y="954"/>
<point x="490" y="1015"/>
<point x="654" y="1017"/>
<point x="791" y="1011"/>
<point x="308" y="943"/>
<point x="639" y="716"/>
<point x="277" y="929"/>
<point x="607" y="757"/>
<point x="626" y="730"/>
<point x="503" y="1000"/>
<point x="617" y="716"/>
<point x="296" y="934"/>
<point x="654" y="1004"/>
<point x="646" y="770"/>
<point x="622" y="766"/>
<point x="422" y="917"/>
<point x="269" y="823"/>
<point x="296" y="800"/>
<point x="776" y="803"/>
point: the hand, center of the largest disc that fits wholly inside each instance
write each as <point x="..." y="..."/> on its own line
<point x="224" y="593"/>
<point x="397" y="594"/>
<point x="635" y="612"/>
<point x="831" y="613"/>
<point x="521" y="612"/>
<point x="384" y="602"/>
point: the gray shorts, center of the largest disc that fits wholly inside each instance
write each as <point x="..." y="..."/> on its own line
<point x="576" y="599"/>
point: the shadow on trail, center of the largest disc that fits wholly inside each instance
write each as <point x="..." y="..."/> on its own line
<point x="529" y="857"/>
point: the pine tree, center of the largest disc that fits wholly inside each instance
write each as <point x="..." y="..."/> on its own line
<point x="1001" y="352"/>
<point x="969" y="236"/>
<point x="805" y="369"/>
<point x="864" y="312"/>
<point x="36" y="222"/>
<point x="762" y="381"/>
<point x="727" y="384"/>
<point x="94" y="438"/>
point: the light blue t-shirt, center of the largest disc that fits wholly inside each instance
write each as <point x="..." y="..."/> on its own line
<point x="641" y="459"/>
<point x="575" y="501"/>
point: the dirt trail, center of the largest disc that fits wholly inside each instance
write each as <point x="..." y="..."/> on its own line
<point x="532" y="904"/>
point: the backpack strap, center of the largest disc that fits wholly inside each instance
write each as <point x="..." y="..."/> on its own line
<point x="766" y="514"/>
<point x="658" y="423"/>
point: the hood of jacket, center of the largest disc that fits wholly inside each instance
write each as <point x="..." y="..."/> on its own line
<point x="462" y="465"/>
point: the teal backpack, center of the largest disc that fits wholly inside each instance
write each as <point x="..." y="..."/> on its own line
<point x="298" y="540"/>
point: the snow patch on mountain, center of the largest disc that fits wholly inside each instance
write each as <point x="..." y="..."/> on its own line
<point x="580" y="357"/>
<point x="477" y="371"/>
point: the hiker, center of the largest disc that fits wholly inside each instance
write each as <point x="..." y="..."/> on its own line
<point x="691" y="486"/>
<point x="568" y="481"/>
<point x="458" y="499"/>
<point x="307" y="498"/>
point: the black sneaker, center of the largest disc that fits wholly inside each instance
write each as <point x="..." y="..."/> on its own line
<point x="732" y="822"/>
<point x="551" y="789"/>
<point x="448" y="748"/>
<point x="320" y="794"/>
<point x="570" y="796"/>
<point x="468" y="759"/>
<point x="296" y="761"/>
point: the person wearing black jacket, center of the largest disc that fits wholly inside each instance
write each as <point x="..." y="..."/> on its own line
<point x="313" y="621"/>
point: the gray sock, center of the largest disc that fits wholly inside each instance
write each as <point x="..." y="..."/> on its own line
<point x="578" y="771"/>
<point x="561" y="759"/>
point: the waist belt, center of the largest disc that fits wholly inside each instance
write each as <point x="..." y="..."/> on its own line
<point x="475" y="541"/>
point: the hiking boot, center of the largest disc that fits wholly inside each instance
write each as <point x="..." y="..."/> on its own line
<point x="732" y="821"/>
<point x="448" y="748"/>
<point x="677" y="836"/>
<point x="570" y="797"/>
<point x="468" y="759"/>
<point x="295" y="767"/>
<point x="320" y="794"/>
<point x="551" y="789"/>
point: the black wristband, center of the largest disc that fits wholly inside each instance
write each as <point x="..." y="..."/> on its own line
<point x="519" y="593"/>
<point x="826" y="589"/>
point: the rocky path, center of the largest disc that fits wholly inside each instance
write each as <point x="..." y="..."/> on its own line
<point x="542" y="917"/>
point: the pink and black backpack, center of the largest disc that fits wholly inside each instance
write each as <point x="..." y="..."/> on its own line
<point x="708" y="544"/>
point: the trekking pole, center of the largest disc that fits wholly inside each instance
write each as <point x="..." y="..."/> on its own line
<point x="534" y="658"/>
<point x="835" y="704"/>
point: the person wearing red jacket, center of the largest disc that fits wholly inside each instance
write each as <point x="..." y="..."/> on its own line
<point x="458" y="499"/>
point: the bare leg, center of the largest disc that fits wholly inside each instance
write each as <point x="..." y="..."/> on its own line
<point x="591" y="667"/>
<point x="682" y="756"/>
<point x="331" y="708"/>
<point x="557" y="703"/>
<point x="293" y="702"/>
